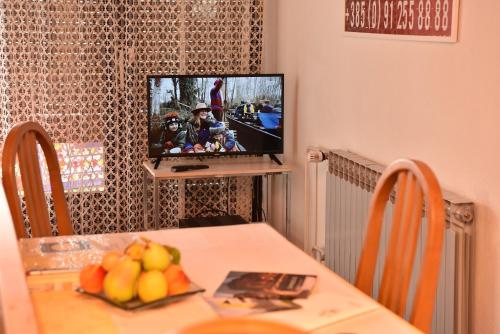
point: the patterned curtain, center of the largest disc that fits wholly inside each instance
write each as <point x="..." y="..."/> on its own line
<point x="79" y="68"/>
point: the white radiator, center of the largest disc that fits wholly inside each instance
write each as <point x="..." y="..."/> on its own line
<point x="351" y="180"/>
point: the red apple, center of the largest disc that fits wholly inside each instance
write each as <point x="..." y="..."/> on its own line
<point x="177" y="280"/>
<point x="92" y="278"/>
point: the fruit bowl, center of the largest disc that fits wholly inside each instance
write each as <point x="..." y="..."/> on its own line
<point x="146" y="274"/>
<point x="136" y="304"/>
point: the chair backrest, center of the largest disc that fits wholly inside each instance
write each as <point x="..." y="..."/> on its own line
<point x="241" y="326"/>
<point x="414" y="182"/>
<point x="22" y="142"/>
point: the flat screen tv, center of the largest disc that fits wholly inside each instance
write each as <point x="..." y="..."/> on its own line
<point x="215" y="115"/>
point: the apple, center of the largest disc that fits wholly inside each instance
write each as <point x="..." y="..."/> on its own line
<point x="92" y="278"/>
<point x="177" y="280"/>
<point x="110" y="259"/>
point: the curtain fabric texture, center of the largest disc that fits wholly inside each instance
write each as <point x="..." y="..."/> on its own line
<point x="79" y="67"/>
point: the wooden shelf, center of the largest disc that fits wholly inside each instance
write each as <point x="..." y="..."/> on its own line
<point x="223" y="168"/>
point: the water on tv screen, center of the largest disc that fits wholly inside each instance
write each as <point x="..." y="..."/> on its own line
<point x="213" y="115"/>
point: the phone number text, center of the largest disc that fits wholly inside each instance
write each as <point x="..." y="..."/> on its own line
<point x="402" y="17"/>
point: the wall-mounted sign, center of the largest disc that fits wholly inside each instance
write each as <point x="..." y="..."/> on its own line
<point x="430" y="20"/>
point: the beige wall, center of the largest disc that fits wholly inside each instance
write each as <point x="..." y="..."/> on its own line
<point x="386" y="99"/>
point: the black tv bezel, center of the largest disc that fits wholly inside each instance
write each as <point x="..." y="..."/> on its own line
<point x="212" y="154"/>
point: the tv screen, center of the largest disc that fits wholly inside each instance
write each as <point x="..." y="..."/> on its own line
<point x="215" y="115"/>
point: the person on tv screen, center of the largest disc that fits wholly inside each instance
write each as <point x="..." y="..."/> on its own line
<point x="216" y="100"/>
<point x="172" y="138"/>
<point x="239" y="111"/>
<point x="245" y="111"/>
<point x="249" y="108"/>
<point x="269" y="117"/>
<point x="249" y="112"/>
<point x="214" y="144"/>
<point x="265" y="106"/>
<point x="222" y="140"/>
<point x="198" y="129"/>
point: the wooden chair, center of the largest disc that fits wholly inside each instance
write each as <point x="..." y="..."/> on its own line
<point x="241" y="326"/>
<point x="21" y="142"/>
<point x="415" y="182"/>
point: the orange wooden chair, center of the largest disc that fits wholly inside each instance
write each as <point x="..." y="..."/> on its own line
<point x="21" y="142"/>
<point x="241" y="326"/>
<point x="415" y="182"/>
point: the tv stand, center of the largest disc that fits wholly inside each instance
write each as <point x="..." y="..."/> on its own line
<point x="218" y="169"/>
<point x="275" y="159"/>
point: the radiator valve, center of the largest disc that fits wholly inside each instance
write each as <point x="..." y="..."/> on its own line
<point x="315" y="156"/>
<point x="319" y="254"/>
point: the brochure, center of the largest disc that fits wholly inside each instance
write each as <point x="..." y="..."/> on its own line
<point x="261" y="285"/>
<point x="244" y="293"/>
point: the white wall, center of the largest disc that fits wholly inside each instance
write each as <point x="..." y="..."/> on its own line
<point x="386" y="99"/>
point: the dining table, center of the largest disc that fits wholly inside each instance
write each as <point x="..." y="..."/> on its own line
<point x="51" y="266"/>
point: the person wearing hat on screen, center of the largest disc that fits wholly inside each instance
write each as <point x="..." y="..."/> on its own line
<point x="172" y="138"/>
<point x="216" y="100"/>
<point x="214" y="144"/>
<point x="222" y="140"/>
<point x="198" y="128"/>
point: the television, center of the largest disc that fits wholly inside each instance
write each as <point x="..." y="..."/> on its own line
<point x="204" y="115"/>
